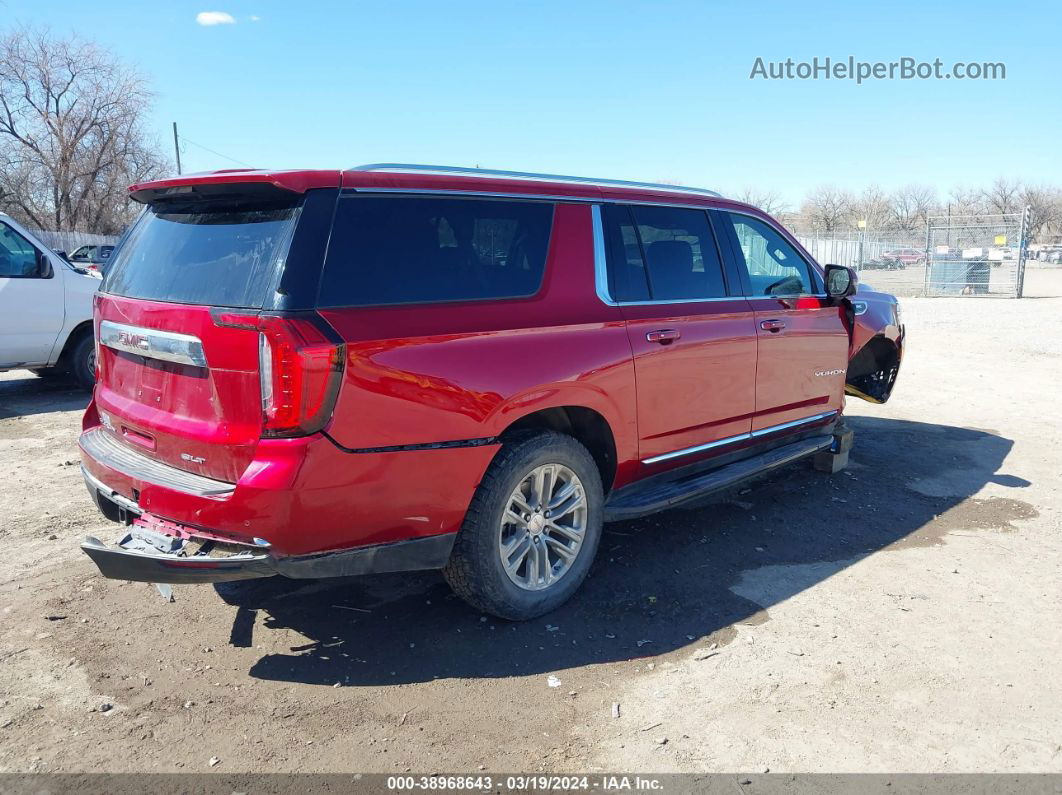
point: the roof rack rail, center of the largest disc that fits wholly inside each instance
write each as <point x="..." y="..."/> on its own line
<point x="415" y="168"/>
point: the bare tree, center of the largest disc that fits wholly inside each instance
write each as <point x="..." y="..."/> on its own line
<point x="1045" y="209"/>
<point x="1003" y="196"/>
<point x="872" y="206"/>
<point x="768" y="201"/>
<point x="964" y="201"/>
<point x="911" y="206"/>
<point x="827" y="208"/>
<point x="71" y="133"/>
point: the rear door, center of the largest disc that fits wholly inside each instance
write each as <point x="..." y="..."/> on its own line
<point x="694" y="344"/>
<point x="177" y="325"/>
<point x="803" y="343"/>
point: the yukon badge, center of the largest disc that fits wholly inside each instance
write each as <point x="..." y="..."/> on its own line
<point x="829" y="372"/>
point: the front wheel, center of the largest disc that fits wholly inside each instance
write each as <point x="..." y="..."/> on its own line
<point x="532" y="529"/>
<point x="81" y="362"/>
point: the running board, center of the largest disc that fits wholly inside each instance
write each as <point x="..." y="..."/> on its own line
<point x="659" y="493"/>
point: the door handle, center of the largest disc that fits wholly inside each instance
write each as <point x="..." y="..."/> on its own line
<point x="664" y="336"/>
<point x="774" y="326"/>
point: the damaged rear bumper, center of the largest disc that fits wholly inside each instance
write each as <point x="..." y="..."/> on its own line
<point x="134" y="560"/>
<point x="159" y="551"/>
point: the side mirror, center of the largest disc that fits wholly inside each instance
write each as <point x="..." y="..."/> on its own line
<point x="44" y="266"/>
<point x="840" y="282"/>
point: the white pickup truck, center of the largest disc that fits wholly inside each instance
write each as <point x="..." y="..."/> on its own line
<point x="45" y="308"/>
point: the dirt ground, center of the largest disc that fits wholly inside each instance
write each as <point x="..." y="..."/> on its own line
<point x="900" y="616"/>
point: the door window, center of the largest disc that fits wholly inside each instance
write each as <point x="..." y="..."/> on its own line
<point x="662" y="253"/>
<point x="18" y="257"/>
<point x="774" y="266"/>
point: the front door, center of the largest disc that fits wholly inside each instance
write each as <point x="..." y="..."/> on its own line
<point x="803" y="343"/>
<point x="32" y="306"/>
<point x="694" y="344"/>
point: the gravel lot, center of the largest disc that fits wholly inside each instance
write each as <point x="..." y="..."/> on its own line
<point x="900" y="616"/>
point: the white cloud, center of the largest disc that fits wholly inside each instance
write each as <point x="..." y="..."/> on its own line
<point x="255" y="19"/>
<point x="208" y="18"/>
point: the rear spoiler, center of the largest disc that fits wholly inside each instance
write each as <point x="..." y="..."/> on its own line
<point x="233" y="184"/>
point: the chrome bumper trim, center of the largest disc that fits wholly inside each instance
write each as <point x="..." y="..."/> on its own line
<point x="99" y="445"/>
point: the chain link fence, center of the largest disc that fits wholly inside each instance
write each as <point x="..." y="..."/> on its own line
<point x="954" y="255"/>
<point x="976" y="255"/>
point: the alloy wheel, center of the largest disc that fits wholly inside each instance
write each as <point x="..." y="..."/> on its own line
<point x="543" y="527"/>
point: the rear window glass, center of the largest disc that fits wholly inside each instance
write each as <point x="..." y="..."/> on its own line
<point x="411" y="250"/>
<point x="216" y="258"/>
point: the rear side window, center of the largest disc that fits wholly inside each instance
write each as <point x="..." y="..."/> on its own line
<point x="410" y="250"/>
<point x="662" y="253"/>
<point x="229" y="257"/>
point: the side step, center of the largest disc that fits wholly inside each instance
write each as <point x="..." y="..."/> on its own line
<point x="660" y="493"/>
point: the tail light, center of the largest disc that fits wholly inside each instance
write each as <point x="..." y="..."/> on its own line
<point x="300" y="366"/>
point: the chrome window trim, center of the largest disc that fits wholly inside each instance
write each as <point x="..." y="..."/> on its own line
<point x="168" y="346"/>
<point x="601" y="264"/>
<point x="487" y="173"/>
<point x="656" y="459"/>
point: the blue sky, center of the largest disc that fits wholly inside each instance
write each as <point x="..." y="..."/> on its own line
<point x="654" y="91"/>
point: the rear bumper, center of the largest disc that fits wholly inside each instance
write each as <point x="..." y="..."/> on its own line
<point x="158" y="551"/>
<point x="304" y="497"/>
<point x="143" y="566"/>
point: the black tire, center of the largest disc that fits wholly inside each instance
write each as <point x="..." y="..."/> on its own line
<point x="475" y="569"/>
<point x="81" y="361"/>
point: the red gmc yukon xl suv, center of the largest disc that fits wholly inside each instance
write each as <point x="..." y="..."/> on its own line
<point x="392" y="368"/>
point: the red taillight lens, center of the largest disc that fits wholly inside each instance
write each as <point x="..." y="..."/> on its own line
<point x="301" y="366"/>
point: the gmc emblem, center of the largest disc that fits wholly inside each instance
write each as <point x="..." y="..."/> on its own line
<point x="131" y="340"/>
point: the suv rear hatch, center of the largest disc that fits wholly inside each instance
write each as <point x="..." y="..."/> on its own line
<point x="199" y="354"/>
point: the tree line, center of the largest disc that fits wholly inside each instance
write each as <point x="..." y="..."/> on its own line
<point x="828" y="210"/>
<point x="72" y="134"/>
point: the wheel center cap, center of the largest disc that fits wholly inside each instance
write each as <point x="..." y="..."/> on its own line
<point x="536" y="523"/>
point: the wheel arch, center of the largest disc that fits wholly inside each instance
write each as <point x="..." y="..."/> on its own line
<point x="872" y="371"/>
<point x="586" y="425"/>
<point x="75" y="335"/>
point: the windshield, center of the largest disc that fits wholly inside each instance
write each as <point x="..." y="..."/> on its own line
<point x="214" y="257"/>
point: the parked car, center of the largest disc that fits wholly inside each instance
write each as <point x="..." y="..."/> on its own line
<point x="92" y="257"/>
<point x="45" y="308"/>
<point x="902" y="257"/>
<point x="392" y="368"/>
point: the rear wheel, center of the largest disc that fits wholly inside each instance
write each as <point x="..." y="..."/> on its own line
<point x="532" y="529"/>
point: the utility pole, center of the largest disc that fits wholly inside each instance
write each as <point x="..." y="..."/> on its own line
<point x="176" y="148"/>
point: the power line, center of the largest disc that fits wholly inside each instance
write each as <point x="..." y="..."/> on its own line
<point x="186" y="139"/>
